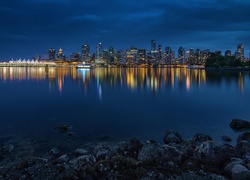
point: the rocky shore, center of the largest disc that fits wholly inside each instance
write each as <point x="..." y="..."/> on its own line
<point x="174" y="158"/>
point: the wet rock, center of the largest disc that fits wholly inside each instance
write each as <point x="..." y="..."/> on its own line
<point x="83" y="162"/>
<point x="229" y="167"/>
<point x="8" y="148"/>
<point x="243" y="143"/>
<point x="244" y="136"/>
<point x="240" y="172"/>
<point x="172" y="137"/>
<point x="199" y="138"/>
<point x="62" y="159"/>
<point x="134" y="146"/>
<point x="80" y="151"/>
<point x="101" y="151"/>
<point x="212" y="153"/>
<point x="54" y="151"/>
<point x="62" y="128"/>
<point x="226" y="138"/>
<point x="122" y="148"/>
<point x="239" y="124"/>
<point x="152" y="152"/>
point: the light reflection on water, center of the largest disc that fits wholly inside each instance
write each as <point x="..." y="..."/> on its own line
<point x="123" y="102"/>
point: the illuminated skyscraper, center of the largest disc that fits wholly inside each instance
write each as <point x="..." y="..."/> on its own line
<point x="153" y="45"/>
<point x="168" y="51"/>
<point x="52" y="54"/>
<point x="142" y="55"/>
<point x="181" y="54"/>
<point x="98" y="55"/>
<point x="85" y="53"/>
<point x="111" y="54"/>
<point x="240" y="52"/>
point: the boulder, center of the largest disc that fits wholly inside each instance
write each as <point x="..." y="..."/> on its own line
<point x="243" y="143"/>
<point x="239" y="124"/>
<point x="172" y="137"/>
<point x="83" y="162"/>
<point x="240" y="172"/>
<point x="226" y="138"/>
<point x="134" y="146"/>
<point x="199" y="138"/>
<point x="212" y="153"/>
<point x="101" y="151"/>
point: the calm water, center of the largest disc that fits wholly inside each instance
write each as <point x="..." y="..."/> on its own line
<point x="122" y="103"/>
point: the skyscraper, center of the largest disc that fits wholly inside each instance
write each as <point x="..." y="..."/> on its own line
<point x="85" y="53"/>
<point x="153" y="45"/>
<point x="240" y="52"/>
<point x="98" y="55"/>
<point x="181" y="54"/>
<point x="142" y="55"/>
<point x="52" y="54"/>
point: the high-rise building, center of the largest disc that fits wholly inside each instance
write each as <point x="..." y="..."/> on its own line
<point x="159" y="57"/>
<point x="228" y="53"/>
<point x="167" y="57"/>
<point x="197" y="56"/>
<point x="142" y="56"/>
<point x="52" y="54"/>
<point x="111" y="54"/>
<point x="240" y="52"/>
<point x="75" y="57"/>
<point x="153" y="45"/>
<point x="98" y="54"/>
<point x="85" y="53"/>
<point x="181" y="54"/>
<point x="60" y="55"/>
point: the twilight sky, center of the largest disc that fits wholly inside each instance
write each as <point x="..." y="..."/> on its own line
<point x="30" y="27"/>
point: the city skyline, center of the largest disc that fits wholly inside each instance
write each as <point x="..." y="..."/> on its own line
<point x="32" y="27"/>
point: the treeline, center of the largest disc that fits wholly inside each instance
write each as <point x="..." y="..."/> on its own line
<point x="219" y="61"/>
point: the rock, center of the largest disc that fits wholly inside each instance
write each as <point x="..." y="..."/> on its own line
<point x="243" y="143"/>
<point x="62" y="159"/>
<point x="8" y="148"/>
<point x="121" y="148"/>
<point x="239" y="124"/>
<point x="199" y="138"/>
<point x="172" y="137"/>
<point x="62" y="128"/>
<point x="226" y="138"/>
<point x="54" y="151"/>
<point x="229" y="167"/>
<point x="240" y="172"/>
<point x="83" y="162"/>
<point x="211" y="153"/>
<point x="152" y="152"/>
<point x="134" y="146"/>
<point x="101" y="151"/>
<point x="80" y="151"/>
<point x="244" y="136"/>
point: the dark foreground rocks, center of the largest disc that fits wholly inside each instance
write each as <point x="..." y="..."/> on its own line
<point x="198" y="158"/>
<point x="239" y="124"/>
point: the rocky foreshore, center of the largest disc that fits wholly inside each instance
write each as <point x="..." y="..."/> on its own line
<point x="174" y="158"/>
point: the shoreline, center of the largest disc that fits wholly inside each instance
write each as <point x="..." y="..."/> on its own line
<point x="201" y="157"/>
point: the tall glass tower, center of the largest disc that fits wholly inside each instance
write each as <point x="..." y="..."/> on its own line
<point x="153" y="45"/>
<point x="85" y="53"/>
<point x="98" y="55"/>
<point x="240" y="52"/>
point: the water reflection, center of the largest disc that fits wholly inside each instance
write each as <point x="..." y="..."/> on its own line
<point x="152" y="79"/>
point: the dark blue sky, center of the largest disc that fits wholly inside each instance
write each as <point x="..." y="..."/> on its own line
<point x="30" y="27"/>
